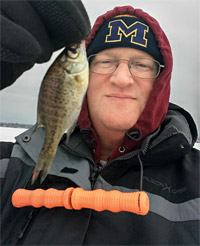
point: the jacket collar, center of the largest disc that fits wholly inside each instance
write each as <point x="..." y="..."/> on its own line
<point x="170" y="141"/>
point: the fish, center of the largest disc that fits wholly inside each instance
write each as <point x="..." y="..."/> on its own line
<point x="59" y="102"/>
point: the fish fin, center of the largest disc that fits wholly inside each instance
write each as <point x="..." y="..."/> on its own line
<point x="37" y="126"/>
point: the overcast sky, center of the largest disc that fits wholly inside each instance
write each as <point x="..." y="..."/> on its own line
<point x="180" y="21"/>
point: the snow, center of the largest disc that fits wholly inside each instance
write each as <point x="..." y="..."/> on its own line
<point x="8" y="134"/>
<point x="197" y="146"/>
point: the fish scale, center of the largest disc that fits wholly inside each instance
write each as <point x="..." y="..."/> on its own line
<point x="60" y="99"/>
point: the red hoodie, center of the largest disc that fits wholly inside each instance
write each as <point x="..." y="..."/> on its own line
<point x="157" y="104"/>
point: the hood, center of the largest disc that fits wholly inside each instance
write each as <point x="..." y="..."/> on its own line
<point x="158" y="102"/>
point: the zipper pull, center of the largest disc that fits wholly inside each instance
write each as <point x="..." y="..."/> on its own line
<point x="28" y="221"/>
<point x="93" y="176"/>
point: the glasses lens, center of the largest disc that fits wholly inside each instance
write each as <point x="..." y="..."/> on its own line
<point x="102" y="64"/>
<point x="139" y="67"/>
<point x="144" y="68"/>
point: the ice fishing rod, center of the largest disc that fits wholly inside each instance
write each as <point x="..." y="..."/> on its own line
<point x="77" y="198"/>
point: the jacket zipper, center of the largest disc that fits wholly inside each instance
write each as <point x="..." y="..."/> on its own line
<point x="94" y="175"/>
<point x="95" y="172"/>
<point x="22" y="234"/>
<point x="142" y="151"/>
<point x="162" y="139"/>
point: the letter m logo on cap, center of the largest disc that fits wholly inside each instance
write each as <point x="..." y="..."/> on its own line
<point x="137" y="31"/>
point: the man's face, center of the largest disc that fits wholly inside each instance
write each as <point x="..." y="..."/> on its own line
<point x="117" y="100"/>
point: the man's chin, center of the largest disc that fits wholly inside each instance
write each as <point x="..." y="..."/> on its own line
<point x="119" y="126"/>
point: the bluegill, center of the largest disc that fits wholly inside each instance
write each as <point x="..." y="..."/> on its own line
<point x="60" y="99"/>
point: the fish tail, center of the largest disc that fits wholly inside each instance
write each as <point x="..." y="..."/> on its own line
<point x="35" y="175"/>
<point x="43" y="166"/>
<point x="44" y="174"/>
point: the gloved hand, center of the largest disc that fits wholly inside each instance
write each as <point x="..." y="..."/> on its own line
<point x="32" y="30"/>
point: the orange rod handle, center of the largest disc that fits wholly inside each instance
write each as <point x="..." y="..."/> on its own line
<point x="77" y="198"/>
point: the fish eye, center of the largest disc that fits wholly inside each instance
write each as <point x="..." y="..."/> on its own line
<point x="72" y="52"/>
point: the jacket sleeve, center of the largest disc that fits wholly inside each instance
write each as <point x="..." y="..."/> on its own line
<point x="5" y="153"/>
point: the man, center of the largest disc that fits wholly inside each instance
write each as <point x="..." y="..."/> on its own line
<point x="128" y="138"/>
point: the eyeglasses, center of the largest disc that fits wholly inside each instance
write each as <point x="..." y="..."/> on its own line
<point x="139" y="67"/>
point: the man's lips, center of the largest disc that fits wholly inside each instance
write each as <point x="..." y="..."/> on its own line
<point x="120" y="96"/>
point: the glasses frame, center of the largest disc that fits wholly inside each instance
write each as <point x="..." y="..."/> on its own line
<point x="160" y="66"/>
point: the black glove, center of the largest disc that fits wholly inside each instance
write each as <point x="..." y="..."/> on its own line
<point x="32" y="30"/>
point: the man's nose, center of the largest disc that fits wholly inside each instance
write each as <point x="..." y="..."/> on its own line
<point x="122" y="77"/>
